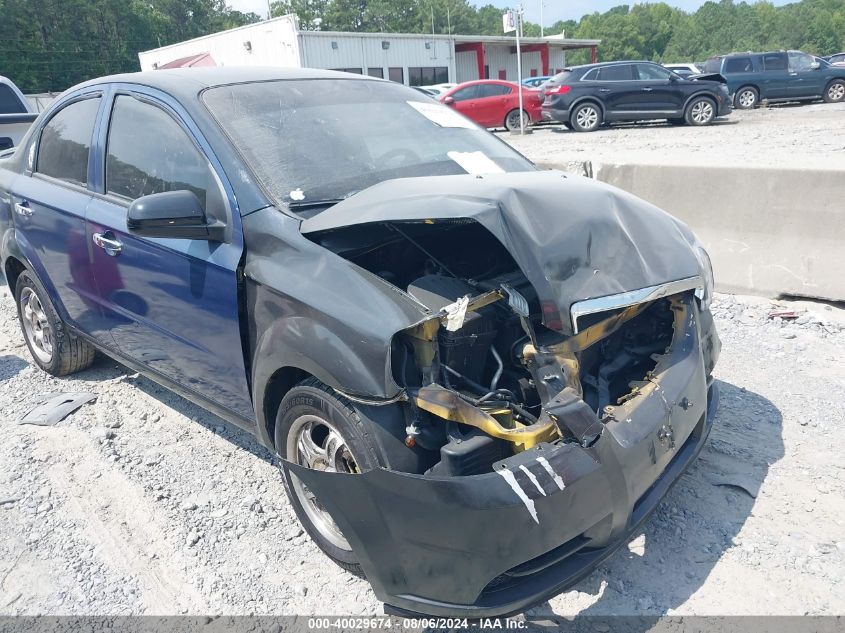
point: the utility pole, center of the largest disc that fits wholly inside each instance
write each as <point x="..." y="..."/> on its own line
<point x="542" y="4"/>
<point x="512" y="21"/>
<point x="519" y="68"/>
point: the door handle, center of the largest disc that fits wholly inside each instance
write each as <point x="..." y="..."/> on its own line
<point x="792" y="74"/>
<point x="648" y="89"/>
<point x="111" y="246"/>
<point x="604" y="89"/>
<point x="22" y="209"/>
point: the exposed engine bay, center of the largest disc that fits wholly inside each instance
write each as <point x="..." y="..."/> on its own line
<point x="484" y="377"/>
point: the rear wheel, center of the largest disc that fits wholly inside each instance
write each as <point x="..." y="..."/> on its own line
<point x="700" y="111"/>
<point x="746" y="98"/>
<point x="53" y="348"/>
<point x="585" y="118"/>
<point x="835" y="91"/>
<point x="512" y="120"/>
<point x="317" y="429"/>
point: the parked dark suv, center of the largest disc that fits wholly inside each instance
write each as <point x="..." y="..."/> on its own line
<point x="584" y="97"/>
<point x="778" y="76"/>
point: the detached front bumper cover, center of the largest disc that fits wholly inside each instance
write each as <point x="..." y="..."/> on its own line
<point x="495" y="544"/>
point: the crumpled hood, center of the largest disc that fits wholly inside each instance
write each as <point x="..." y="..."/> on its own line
<point x="572" y="237"/>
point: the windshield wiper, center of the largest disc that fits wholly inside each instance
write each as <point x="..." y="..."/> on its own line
<point x="299" y="205"/>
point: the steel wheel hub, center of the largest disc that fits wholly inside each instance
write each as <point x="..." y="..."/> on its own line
<point x="36" y="327"/>
<point x="315" y="443"/>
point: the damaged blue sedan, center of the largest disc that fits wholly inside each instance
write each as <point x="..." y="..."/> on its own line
<point x="480" y="378"/>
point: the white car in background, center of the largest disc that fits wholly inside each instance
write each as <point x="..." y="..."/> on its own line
<point x="439" y="89"/>
<point x="684" y="70"/>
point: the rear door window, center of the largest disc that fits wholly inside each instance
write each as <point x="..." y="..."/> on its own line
<point x="619" y="72"/>
<point x="66" y="142"/>
<point x="774" y="61"/>
<point x="493" y="90"/>
<point x="464" y="94"/>
<point x="738" y="65"/>
<point x="139" y="163"/>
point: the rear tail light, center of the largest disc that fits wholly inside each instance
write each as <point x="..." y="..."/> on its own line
<point x="557" y="90"/>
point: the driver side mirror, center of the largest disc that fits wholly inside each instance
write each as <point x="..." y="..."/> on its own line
<point x="175" y="214"/>
<point x="815" y="66"/>
<point x="449" y="101"/>
<point x="673" y="78"/>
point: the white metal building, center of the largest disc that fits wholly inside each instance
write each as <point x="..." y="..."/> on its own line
<point x="412" y="59"/>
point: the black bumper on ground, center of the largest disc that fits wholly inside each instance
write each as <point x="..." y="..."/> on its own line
<point x="495" y="544"/>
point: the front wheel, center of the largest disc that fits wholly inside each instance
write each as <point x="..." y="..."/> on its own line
<point x="317" y="429"/>
<point x="512" y="120"/>
<point x="700" y="111"/>
<point x="586" y="118"/>
<point x="835" y="91"/>
<point x="53" y="348"/>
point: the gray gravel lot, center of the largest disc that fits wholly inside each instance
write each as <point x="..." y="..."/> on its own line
<point x="798" y="136"/>
<point x="142" y="503"/>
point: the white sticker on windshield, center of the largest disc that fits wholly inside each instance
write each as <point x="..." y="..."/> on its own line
<point x="442" y="115"/>
<point x="475" y="163"/>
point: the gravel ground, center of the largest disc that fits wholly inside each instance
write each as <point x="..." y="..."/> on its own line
<point x="142" y="503"/>
<point x="808" y="135"/>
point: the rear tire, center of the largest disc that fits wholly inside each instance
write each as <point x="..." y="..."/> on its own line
<point x="746" y="98"/>
<point x="512" y="120"/>
<point x="319" y="429"/>
<point x="53" y="348"/>
<point x="586" y="118"/>
<point x="835" y="91"/>
<point x="700" y="111"/>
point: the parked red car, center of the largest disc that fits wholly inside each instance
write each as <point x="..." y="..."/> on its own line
<point x="494" y="103"/>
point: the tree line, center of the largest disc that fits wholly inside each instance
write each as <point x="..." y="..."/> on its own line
<point x="49" y="45"/>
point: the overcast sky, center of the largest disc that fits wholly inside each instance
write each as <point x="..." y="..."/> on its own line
<point x="554" y="9"/>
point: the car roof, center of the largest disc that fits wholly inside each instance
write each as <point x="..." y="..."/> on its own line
<point x="189" y="81"/>
<point x="475" y="82"/>
<point x="603" y="64"/>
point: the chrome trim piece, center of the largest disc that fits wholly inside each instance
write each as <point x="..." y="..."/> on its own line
<point x="632" y="297"/>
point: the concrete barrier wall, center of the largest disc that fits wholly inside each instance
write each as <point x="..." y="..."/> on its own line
<point x="768" y="231"/>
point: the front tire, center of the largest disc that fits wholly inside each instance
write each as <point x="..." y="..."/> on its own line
<point x="700" y="111"/>
<point x="318" y="429"/>
<point x="586" y="118"/>
<point x="53" y="348"/>
<point x="746" y="98"/>
<point x="835" y="91"/>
